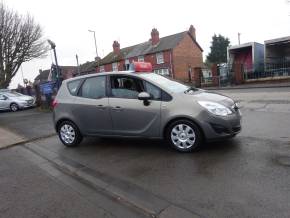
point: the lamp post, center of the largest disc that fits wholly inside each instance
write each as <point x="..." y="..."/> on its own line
<point x="239" y="38"/>
<point x="52" y="45"/>
<point x="92" y="31"/>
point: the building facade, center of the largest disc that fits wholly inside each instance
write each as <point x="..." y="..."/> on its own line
<point x="175" y="56"/>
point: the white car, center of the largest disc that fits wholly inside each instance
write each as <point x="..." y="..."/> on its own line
<point x="15" y="101"/>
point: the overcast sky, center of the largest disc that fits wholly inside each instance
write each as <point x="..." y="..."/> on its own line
<point x="66" y="22"/>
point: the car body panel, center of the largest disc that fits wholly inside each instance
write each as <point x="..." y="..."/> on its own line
<point x="132" y="118"/>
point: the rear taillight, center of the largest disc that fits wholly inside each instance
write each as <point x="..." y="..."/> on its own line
<point x="54" y="103"/>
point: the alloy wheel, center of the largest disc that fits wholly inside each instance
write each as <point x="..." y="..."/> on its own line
<point x="183" y="136"/>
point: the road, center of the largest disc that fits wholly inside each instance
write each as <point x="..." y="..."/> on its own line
<point x="247" y="176"/>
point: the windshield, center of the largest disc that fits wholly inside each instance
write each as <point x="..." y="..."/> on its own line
<point x="172" y="85"/>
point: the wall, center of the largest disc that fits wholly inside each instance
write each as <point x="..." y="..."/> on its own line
<point x="186" y="54"/>
<point x="147" y="58"/>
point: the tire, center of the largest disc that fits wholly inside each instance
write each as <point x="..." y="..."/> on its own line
<point x="69" y="134"/>
<point x="184" y="136"/>
<point x="14" y="107"/>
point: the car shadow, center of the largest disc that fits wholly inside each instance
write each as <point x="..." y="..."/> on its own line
<point x="157" y="145"/>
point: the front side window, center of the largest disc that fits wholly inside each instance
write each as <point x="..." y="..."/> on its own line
<point x="159" y="58"/>
<point x="125" y="87"/>
<point x="154" y="91"/>
<point x="94" y="87"/>
<point x="115" y="66"/>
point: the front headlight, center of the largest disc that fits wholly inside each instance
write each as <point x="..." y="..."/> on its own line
<point x="215" y="108"/>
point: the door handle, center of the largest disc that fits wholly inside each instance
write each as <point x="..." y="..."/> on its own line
<point x="101" y="107"/>
<point x="117" y="109"/>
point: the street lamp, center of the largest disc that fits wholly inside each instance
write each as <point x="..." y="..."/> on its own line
<point x="52" y="45"/>
<point x="92" y="31"/>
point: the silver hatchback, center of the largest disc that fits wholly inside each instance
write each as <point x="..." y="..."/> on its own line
<point x="14" y="101"/>
<point x="147" y="105"/>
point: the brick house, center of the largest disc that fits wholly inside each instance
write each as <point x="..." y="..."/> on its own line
<point x="176" y="55"/>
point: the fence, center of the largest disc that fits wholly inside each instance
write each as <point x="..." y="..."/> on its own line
<point x="277" y="70"/>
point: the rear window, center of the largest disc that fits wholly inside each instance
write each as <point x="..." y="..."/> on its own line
<point x="94" y="87"/>
<point x="73" y="86"/>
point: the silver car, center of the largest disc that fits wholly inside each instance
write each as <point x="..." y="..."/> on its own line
<point x="14" y="101"/>
<point x="147" y="105"/>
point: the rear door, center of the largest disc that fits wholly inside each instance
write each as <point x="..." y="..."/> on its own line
<point x="131" y="116"/>
<point x="91" y="106"/>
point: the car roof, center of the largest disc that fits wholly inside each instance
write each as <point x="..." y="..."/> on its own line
<point x="129" y="73"/>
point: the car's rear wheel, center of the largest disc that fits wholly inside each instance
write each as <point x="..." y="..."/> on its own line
<point x="184" y="136"/>
<point x="14" y="107"/>
<point x="69" y="134"/>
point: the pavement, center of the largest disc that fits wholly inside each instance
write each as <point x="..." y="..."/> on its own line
<point x="8" y="139"/>
<point x="247" y="176"/>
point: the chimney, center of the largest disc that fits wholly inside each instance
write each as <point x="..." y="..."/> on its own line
<point x="192" y="31"/>
<point x="154" y="36"/>
<point x="116" y="47"/>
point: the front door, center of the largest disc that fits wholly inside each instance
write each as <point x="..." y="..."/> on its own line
<point x="91" y="107"/>
<point x="131" y="116"/>
<point x="4" y="103"/>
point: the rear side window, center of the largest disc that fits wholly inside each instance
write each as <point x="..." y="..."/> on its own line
<point x="94" y="87"/>
<point x="73" y="86"/>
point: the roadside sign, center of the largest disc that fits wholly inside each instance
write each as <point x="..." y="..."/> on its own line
<point x="47" y="88"/>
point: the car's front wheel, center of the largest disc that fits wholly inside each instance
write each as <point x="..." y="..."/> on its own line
<point x="14" y="107"/>
<point x="69" y="134"/>
<point x="184" y="136"/>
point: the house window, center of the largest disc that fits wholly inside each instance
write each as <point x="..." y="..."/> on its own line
<point x="115" y="66"/>
<point x="102" y="69"/>
<point x="163" y="71"/>
<point x="127" y="64"/>
<point x="159" y="58"/>
<point x="141" y="59"/>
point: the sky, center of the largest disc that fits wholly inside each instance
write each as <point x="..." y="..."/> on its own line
<point x="66" y="22"/>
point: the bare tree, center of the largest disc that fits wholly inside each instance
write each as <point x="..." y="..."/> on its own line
<point x="20" y="41"/>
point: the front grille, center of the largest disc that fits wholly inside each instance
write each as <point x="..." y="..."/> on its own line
<point x="220" y="129"/>
<point x="236" y="129"/>
<point x="29" y="101"/>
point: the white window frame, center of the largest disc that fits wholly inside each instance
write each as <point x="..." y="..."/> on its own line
<point x="141" y="58"/>
<point x="102" y="69"/>
<point x="162" y="71"/>
<point x="159" y="58"/>
<point x="115" y="66"/>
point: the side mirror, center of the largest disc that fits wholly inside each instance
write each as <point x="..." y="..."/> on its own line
<point x="144" y="96"/>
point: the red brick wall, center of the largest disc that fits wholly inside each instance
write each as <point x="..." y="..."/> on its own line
<point x="186" y="54"/>
<point x="167" y="55"/>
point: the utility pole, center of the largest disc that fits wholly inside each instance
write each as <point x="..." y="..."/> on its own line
<point x="77" y="57"/>
<point x="239" y="38"/>
<point x="52" y="45"/>
<point x="92" y="31"/>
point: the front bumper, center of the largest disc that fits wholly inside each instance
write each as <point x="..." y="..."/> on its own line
<point x="218" y="127"/>
<point x="26" y="104"/>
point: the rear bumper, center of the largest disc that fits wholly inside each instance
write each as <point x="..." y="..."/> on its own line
<point x="216" y="127"/>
